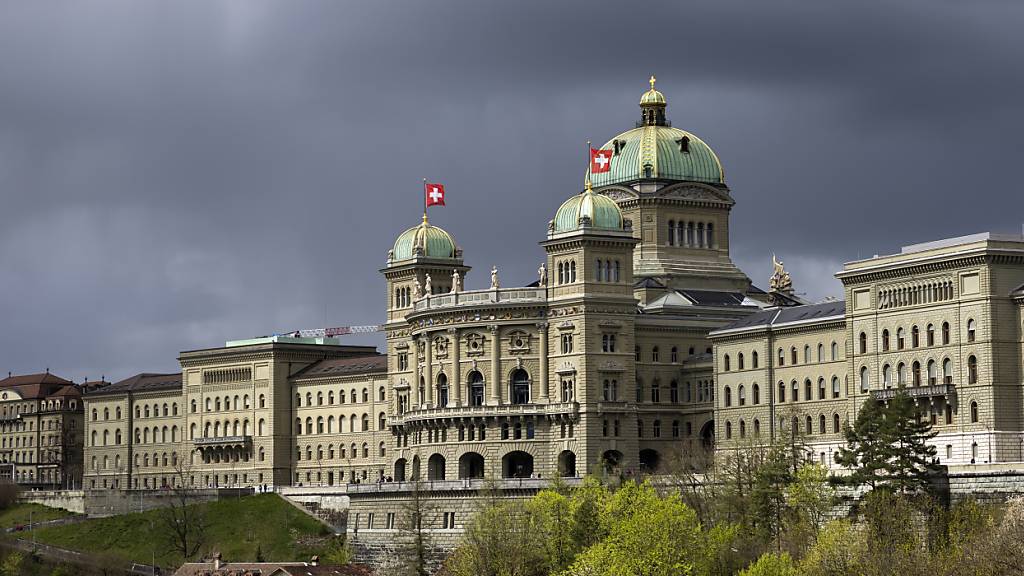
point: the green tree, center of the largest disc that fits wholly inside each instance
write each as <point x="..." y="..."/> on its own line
<point x="551" y="514"/>
<point x="887" y="446"/>
<point x="838" y="550"/>
<point x="500" y="540"/>
<point x="809" y="499"/>
<point x="12" y="564"/>
<point x="772" y="565"/>
<point x="648" y="535"/>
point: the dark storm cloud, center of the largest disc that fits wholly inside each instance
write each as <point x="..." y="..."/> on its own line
<point x="173" y="175"/>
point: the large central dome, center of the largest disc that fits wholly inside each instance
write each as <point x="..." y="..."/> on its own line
<point x="656" y="150"/>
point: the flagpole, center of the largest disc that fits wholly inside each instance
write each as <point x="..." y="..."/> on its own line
<point x="424" y="199"/>
<point x="587" y="179"/>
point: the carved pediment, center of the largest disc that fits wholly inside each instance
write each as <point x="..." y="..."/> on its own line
<point x="619" y="194"/>
<point x="696" y="192"/>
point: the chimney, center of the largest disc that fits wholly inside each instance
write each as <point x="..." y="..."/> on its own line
<point x="216" y="561"/>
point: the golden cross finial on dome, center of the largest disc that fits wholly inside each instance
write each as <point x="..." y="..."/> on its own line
<point x="652" y="81"/>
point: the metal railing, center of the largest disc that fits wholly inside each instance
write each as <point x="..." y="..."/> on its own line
<point x="914" y="391"/>
<point x="480" y="298"/>
<point x="223" y="440"/>
<point x="485" y="411"/>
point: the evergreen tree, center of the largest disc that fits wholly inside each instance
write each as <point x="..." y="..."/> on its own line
<point x="887" y="446"/>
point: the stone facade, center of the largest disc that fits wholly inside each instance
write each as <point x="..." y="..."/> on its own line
<point x="942" y="319"/>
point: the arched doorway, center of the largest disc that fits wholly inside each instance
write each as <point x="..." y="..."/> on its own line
<point x="476" y="388"/>
<point x="611" y="461"/>
<point x="471" y="465"/>
<point x="520" y="392"/>
<point x="517" y="464"/>
<point x="415" y="468"/>
<point x="707" y="435"/>
<point x="567" y="463"/>
<point x="649" y="461"/>
<point x="435" y="467"/>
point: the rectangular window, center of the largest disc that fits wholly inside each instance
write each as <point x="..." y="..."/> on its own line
<point x="390" y="521"/>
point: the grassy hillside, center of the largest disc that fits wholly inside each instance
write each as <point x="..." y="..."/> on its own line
<point x="19" y="514"/>
<point x="235" y="528"/>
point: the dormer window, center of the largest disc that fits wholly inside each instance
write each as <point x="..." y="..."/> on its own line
<point x="684" y="144"/>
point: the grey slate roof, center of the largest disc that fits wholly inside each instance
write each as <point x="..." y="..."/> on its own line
<point x="145" y="382"/>
<point x="345" y="366"/>
<point x="777" y="316"/>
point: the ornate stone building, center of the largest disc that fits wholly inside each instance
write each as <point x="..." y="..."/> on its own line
<point x="603" y="362"/>
<point x="639" y="343"/>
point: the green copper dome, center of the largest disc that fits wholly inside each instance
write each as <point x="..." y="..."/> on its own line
<point x="656" y="150"/>
<point x="603" y="212"/>
<point x="424" y="241"/>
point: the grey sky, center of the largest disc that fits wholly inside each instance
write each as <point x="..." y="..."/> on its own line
<point x="176" y="174"/>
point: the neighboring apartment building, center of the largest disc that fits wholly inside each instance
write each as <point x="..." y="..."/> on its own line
<point x="942" y="319"/>
<point x="41" y="431"/>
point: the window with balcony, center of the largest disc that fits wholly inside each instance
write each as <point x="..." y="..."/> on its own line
<point x="476" y="388"/>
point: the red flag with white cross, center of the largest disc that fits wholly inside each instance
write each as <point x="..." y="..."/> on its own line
<point x="600" y="161"/>
<point x="435" y="194"/>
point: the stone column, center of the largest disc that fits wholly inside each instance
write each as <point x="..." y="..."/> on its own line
<point x="544" y="384"/>
<point x="455" y="379"/>
<point x="428" y="357"/>
<point x="495" y="397"/>
<point x="415" y="377"/>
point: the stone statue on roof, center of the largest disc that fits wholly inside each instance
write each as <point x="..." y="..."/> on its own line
<point x="428" y="288"/>
<point x="456" y="282"/>
<point x="543" y="273"/>
<point x="780" y="280"/>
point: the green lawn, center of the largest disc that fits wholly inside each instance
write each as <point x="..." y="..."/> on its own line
<point x="20" y="514"/>
<point x="236" y="527"/>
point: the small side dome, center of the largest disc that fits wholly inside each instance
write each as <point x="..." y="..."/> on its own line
<point x="424" y="241"/>
<point x="590" y="210"/>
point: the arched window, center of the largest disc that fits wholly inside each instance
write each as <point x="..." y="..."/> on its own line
<point x="972" y="330"/>
<point x="932" y="374"/>
<point x="757" y="427"/>
<point x="821" y="388"/>
<point x="675" y="355"/>
<point x="366" y="422"/>
<point x="835" y="423"/>
<point x="442" y="390"/>
<point x="476" y="388"/>
<point x="728" y="430"/>
<point x="915" y="373"/>
<point x="743" y="429"/>
<point x="915" y="337"/>
<point x="885" y="340"/>
<point x="728" y="396"/>
<point x="742" y="396"/>
<point x="520" y="387"/>
<point x="807" y="390"/>
<point x="821" y="424"/>
<point x="901" y="374"/>
<point x="835" y="387"/>
<point x="887" y="376"/>
<point x="972" y="369"/>
<point x="792" y="354"/>
<point x="727" y="363"/>
<point x="945" y="333"/>
<point x="947" y="371"/>
<point x="753" y="359"/>
<point x="807" y="353"/>
<point x="782" y="392"/>
<point x="863" y="343"/>
<point x="782" y="357"/>
<point x="671" y="232"/>
<point x="929" y="335"/>
<point x="974" y="412"/>
<point x="382" y="421"/>
<point x="835" y="351"/>
<point x="796" y="391"/>
<point x="757" y="394"/>
<point x="809" y="428"/>
<point x="739" y="361"/>
<point x="900" y="339"/>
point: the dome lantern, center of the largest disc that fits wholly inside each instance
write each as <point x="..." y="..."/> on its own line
<point x="652" y="106"/>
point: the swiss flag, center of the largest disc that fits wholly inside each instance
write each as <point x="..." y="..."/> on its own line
<point x="600" y="161"/>
<point x="435" y="194"/>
